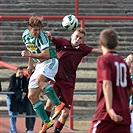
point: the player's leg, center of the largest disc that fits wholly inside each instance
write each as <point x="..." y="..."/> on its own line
<point x="66" y="90"/>
<point x="33" y="95"/>
<point x="42" y="82"/>
<point x="62" y="120"/>
<point x="37" y="104"/>
<point x="48" y="109"/>
<point x="39" y="108"/>
<point x="50" y="69"/>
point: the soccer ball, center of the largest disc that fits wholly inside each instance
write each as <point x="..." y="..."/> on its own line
<point x="70" y="22"/>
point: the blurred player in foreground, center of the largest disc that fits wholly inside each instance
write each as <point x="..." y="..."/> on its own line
<point x="40" y="51"/>
<point x="114" y="86"/>
<point x="69" y="53"/>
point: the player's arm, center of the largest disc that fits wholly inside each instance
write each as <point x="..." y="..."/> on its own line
<point x="96" y="51"/>
<point x="44" y="55"/>
<point x="108" y="94"/>
<point x="30" y="67"/>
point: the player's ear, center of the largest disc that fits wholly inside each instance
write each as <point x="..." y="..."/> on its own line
<point x="100" y="43"/>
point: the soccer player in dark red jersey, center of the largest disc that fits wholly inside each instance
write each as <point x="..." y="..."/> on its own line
<point x="69" y="53"/>
<point x="114" y="86"/>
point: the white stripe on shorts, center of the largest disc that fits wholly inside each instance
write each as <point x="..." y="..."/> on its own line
<point x="95" y="126"/>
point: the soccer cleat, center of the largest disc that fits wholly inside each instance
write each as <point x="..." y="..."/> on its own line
<point x="58" y="110"/>
<point x="46" y="126"/>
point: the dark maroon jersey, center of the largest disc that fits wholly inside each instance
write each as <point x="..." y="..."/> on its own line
<point x="69" y="58"/>
<point x="112" y="67"/>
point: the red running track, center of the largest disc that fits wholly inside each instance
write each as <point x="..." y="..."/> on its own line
<point x="4" y="126"/>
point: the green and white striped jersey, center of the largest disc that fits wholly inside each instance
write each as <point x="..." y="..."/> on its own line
<point x="36" y="45"/>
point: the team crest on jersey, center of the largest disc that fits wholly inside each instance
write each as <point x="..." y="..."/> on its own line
<point x="31" y="47"/>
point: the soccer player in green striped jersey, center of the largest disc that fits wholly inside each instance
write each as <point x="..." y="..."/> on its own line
<point x="129" y="61"/>
<point x="39" y="51"/>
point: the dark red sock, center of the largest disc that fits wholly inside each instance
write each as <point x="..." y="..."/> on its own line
<point x="59" y="125"/>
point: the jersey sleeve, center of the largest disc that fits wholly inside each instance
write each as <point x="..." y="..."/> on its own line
<point x="24" y="36"/>
<point x="86" y="49"/>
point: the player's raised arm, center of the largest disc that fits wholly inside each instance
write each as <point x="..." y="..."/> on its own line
<point x="96" y="51"/>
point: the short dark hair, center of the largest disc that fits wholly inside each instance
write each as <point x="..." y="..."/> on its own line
<point x="109" y="38"/>
<point x="19" y="68"/>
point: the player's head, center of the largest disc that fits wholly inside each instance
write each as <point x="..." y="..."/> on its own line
<point x="78" y="37"/>
<point x="109" y="38"/>
<point x="35" y="25"/>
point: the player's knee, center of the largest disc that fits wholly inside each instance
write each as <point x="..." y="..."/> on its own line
<point x="32" y="98"/>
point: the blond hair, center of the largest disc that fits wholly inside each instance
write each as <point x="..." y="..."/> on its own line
<point x="81" y="30"/>
<point x="35" y="21"/>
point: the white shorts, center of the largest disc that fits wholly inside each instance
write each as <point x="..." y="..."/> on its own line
<point x="47" y="68"/>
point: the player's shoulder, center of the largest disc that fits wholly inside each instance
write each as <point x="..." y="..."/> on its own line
<point x="61" y="39"/>
<point x="106" y="56"/>
<point x="25" y="33"/>
<point x="43" y="32"/>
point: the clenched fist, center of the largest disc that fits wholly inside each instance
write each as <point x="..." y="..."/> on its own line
<point x="25" y="53"/>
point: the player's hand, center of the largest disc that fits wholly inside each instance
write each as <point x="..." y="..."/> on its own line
<point x="25" y="53"/>
<point x="49" y="35"/>
<point x="114" y="116"/>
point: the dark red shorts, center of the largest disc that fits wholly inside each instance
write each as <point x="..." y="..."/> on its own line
<point x="64" y="91"/>
<point x="108" y="127"/>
